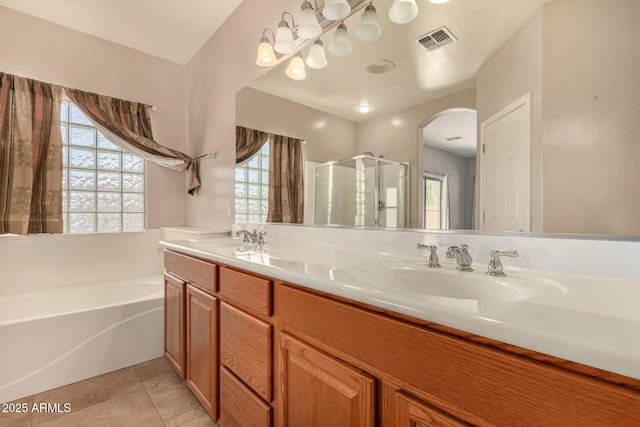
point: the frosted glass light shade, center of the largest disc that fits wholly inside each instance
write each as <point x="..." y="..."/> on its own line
<point x="309" y="28"/>
<point x="340" y="44"/>
<point x="369" y="28"/>
<point x="266" y="55"/>
<point x="284" y="39"/>
<point x="296" y="70"/>
<point x="336" y="10"/>
<point x="317" y="59"/>
<point x="403" y="11"/>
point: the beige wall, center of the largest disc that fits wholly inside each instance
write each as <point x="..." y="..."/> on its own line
<point x="327" y="137"/>
<point x="223" y="66"/>
<point x="44" y="51"/>
<point x="585" y="93"/>
<point x="396" y="137"/>
<point x="591" y="117"/>
<point x="510" y="73"/>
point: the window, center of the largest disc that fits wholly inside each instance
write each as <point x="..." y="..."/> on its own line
<point x="103" y="185"/>
<point x="252" y="188"/>
<point x="432" y="203"/>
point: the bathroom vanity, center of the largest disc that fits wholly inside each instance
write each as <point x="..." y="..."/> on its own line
<point x="265" y="339"/>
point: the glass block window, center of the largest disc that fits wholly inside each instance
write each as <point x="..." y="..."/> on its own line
<point x="252" y="188"/>
<point x="103" y="185"/>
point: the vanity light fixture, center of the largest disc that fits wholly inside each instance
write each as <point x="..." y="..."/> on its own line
<point x="403" y="11"/>
<point x="340" y="44"/>
<point x="266" y="55"/>
<point x="336" y="10"/>
<point x="364" y="108"/>
<point x="309" y="27"/>
<point x="317" y="59"/>
<point x="284" y="36"/>
<point x="296" y="70"/>
<point x="369" y="28"/>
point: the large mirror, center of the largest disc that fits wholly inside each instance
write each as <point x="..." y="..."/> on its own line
<point x="527" y="119"/>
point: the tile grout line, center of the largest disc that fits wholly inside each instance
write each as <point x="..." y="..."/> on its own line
<point x="155" y="408"/>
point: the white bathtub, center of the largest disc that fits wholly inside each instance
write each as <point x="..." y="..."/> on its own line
<point x="54" y="337"/>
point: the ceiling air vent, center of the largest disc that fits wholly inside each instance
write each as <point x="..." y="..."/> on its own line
<point x="437" y="38"/>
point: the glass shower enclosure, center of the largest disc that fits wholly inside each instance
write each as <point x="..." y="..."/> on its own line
<point x="361" y="191"/>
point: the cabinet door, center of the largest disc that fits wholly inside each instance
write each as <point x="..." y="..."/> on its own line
<point x="202" y="348"/>
<point x="413" y="413"/>
<point x="174" y="320"/>
<point x="320" y="390"/>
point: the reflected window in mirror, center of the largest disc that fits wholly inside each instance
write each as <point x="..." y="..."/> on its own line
<point x="252" y="188"/>
<point x="436" y="202"/>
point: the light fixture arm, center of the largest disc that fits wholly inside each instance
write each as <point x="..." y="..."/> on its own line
<point x="283" y="21"/>
<point x="265" y="39"/>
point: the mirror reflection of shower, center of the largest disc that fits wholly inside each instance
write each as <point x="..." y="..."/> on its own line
<point x="448" y="147"/>
<point x="362" y="191"/>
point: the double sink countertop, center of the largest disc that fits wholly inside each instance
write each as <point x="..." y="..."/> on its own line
<point x="586" y="319"/>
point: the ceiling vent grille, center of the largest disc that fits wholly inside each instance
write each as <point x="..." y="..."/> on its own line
<point x="437" y="38"/>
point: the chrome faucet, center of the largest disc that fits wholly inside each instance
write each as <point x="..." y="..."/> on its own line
<point x="257" y="237"/>
<point x="495" y="265"/>
<point x="432" y="259"/>
<point x="462" y="256"/>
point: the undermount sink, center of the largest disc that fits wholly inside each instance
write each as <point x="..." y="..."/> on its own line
<point x="414" y="277"/>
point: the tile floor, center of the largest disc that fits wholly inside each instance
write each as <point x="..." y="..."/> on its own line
<point x="148" y="394"/>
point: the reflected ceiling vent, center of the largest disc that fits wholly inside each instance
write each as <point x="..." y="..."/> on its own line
<point x="381" y="66"/>
<point x="437" y="38"/>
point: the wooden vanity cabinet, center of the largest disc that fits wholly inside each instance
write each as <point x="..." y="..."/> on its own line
<point x="246" y="349"/>
<point x="452" y="380"/>
<point x="410" y="412"/>
<point x="293" y="357"/>
<point x="202" y="347"/>
<point x="320" y="390"/>
<point x="174" y="323"/>
<point x="191" y="325"/>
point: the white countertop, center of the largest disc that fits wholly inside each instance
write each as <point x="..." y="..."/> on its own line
<point x="588" y="319"/>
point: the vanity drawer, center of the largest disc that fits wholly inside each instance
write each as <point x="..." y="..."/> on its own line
<point x="252" y="293"/>
<point x="201" y="274"/>
<point x="239" y="407"/>
<point x="246" y="349"/>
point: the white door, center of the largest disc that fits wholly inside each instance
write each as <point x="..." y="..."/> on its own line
<point x="505" y="169"/>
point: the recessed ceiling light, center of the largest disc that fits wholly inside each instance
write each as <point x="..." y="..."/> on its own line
<point x="364" y="108"/>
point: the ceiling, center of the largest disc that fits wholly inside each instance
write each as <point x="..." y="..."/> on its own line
<point x="480" y="26"/>
<point x="164" y="28"/>
<point x="459" y="124"/>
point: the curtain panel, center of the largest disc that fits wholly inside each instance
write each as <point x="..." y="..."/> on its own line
<point x="128" y="125"/>
<point x="249" y="142"/>
<point x="30" y="156"/>
<point x="286" y="185"/>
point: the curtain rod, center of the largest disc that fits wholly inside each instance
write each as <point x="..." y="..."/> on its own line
<point x="212" y="155"/>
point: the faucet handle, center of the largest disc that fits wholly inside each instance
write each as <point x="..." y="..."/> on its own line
<point x="495" y="265"/>
<point x="432" y="259"/>
<point x="260" y="238"/>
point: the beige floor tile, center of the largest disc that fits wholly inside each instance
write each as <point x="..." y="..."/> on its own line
<point x="173" y="399"/>
<point x="133" y="409"/>
<point x="89" y="392"/>
<point x="153" y="368"/>
<point x="16" y="419"/>
<point x="202" y="421"/>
